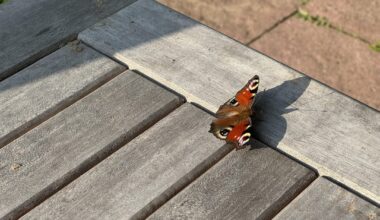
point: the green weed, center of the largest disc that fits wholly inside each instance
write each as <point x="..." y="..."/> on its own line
<point x="375" y="46"/>
<point x="315" y="19"/>
<point x="323" y="21"/>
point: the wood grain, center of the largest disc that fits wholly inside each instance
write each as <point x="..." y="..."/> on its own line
<point x="49" y="85"/>
<point x="333" y="133"/>
<point x="48" y="157"/>
<point x="254" y="184"/>
<point x="32" y="29"/>
<point x="324" y="198"/>
<point x="152" y="167"/>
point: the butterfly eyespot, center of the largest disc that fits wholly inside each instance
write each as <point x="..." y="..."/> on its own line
<point x="244" y="139"/>
<point x="233" y="102"/>
<point x="253" y="84"/>
<point x="222" y="134"/>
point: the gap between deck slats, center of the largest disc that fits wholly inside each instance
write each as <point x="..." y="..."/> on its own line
<point x="53" y="107"/>
<point x="94" y="159"/>
<point x="183" y="182"/>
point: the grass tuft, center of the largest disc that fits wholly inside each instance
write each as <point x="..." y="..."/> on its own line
<point x="375" y="46"/>
<point x="315" y="19"/>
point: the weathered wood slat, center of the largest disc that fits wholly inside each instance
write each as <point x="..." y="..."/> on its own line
<point x="333" y="133"/>
<point x="326" y="200"/>
<point x="152" y="167"/>
<point x="49" y="85"/>
<point x="31" y="29"/>
<point x="51" y="155"/>
<point x="253" y="184"/>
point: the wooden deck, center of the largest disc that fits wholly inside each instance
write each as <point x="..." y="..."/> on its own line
<point x="114" y="125"/>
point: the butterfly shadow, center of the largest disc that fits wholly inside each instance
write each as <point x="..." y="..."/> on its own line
<point x="269" y="123"/>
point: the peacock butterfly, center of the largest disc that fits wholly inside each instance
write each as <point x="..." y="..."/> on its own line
<point x="233" y="118"/>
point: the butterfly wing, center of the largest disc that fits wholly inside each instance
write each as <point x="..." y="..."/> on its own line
<point x="238" y="134"/>
<point x="242" y="102"/>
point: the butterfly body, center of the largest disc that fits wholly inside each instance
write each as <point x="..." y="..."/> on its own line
<point x="233" y="118"/>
